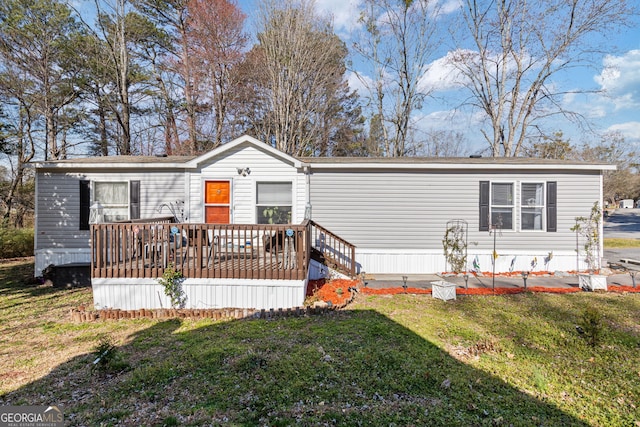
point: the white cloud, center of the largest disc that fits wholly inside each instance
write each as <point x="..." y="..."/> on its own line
<point x="440" y="75"/>
<point x="620" y="79"/>
<point x="630" y="130"/>
<point x="356" y="83"/>
<point x="344" y="12"/>
<point x="450" y="6"/>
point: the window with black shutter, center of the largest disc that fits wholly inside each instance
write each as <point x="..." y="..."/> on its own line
<point x="85" y="204"/>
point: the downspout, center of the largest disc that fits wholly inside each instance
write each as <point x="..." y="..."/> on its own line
<point x="601" y="227"/>
<point x="307" y="184"/>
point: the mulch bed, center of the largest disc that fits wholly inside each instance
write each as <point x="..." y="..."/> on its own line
<point x="337" y="291"/>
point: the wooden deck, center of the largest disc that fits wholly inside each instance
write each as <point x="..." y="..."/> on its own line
<point x="199" y="251"/>
<point x="237" y="251"/>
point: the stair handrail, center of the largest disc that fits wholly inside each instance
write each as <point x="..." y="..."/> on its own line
<point x="338" y="251"/>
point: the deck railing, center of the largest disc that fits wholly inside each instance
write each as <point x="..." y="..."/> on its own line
<point x="337" y="252"/>
<point x="237" y="251"/>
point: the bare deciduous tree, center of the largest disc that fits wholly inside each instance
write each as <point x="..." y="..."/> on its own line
<point x="399" y="42"/>
<point x="218" y="41"/>
<point x="516" y="48"/>
<point x="303" y="67"/>
<point x="612" y="148"/>
<point x="444" y="143"/>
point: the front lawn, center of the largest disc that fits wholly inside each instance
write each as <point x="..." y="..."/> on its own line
<point x="385" y="360"/>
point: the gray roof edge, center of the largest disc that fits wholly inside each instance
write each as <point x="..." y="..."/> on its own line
<point x="451" y="163"/>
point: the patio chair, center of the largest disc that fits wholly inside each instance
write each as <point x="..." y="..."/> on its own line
<point x="212" y="241"/>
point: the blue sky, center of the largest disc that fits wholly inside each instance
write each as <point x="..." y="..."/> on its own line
<point x="617" y="73"/>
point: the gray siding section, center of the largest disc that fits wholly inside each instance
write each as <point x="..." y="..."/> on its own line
<point x="409" y="210"/>
<point x="58" y="202"/>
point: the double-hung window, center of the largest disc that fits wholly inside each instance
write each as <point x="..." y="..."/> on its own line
<point x="114" y="198"/>
<point x="273" y="202"/>
<point x="532" y="206"/>
<point x="502" y="205"/>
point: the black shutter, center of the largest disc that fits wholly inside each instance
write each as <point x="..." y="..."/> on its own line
<point x="85" y="204"/>
<point x="484" y="206"/>
<point x="552" y="206"/>
<point x="134" y="199"/>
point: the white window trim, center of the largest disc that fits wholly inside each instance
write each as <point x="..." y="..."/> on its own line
<point x="273" y="181"/>
<point x="107" y="181"/>
<point x="514" y="206"/>
<point x="544" y="206"/>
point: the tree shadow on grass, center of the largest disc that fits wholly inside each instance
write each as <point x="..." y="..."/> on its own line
<point x="17" y="278"/>
<point x="354" y="367"/>
<point x="547" y="331"/>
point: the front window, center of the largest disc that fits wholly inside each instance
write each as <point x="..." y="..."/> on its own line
<point x="502" y="205"/>
<point x="532" y="206"/>
<point x="273" y="202"/>
<point x="114" y="198"/>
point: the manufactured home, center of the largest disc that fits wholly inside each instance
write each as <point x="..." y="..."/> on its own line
<point x="248" y="225"/>
<point x="626" y="204"/>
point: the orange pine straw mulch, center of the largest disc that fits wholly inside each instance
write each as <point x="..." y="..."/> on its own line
<point x="329" y="290"/>
<point x="619" y="288"/>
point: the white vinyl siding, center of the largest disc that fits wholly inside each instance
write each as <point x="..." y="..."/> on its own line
<point x="264" y="168"/>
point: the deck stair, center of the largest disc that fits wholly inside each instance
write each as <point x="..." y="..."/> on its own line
<point x="332" y="251"/>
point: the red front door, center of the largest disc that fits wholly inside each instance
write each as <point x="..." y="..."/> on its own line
<point x="217" y="202"/>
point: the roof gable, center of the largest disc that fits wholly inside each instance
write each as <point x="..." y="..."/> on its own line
<point x="167" y="162"/>
<point x="244" y="140"/>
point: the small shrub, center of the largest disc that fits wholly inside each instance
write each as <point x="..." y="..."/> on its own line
<point x="108" y="357"/>
<point x="16" y="242"/>
<point x="592" y="326"/>
<point x="172" y="280"/>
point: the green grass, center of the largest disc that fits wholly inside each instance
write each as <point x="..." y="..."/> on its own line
<point x="612" y="243"/>
<point x="402" y="360"/>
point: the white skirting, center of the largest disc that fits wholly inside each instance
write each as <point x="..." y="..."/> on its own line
<point x="134" y="294"/>
<point x="386" y="261"/>
<point x="46" y="257"/>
